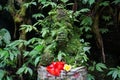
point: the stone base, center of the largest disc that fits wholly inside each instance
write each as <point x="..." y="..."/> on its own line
<point x="78" y="73"/>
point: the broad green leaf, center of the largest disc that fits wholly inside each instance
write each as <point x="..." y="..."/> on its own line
<point x="64" y="1"/>
<point x="2" y="73"/>
<point x="33" y="3"/>
<point x="30" y="71"/>
<point x="42" y="1"/>
<point x="11" y="56"/>
<point x="53" y="33"/>
<point x="21" y="70"/>
<point x="91" y="1"/>
<point x="37" y="60"/>
<point x="26" y="70"/>
<point x="16" y="43"/>
<point x="5" y="36"/>
<point x="26" y="53"/>
<point x="60" y="55"/>
<point x="36" y="50"/>
<point x="84" y="10"/>
<point x="4" y="54"/>
<point x="9" y="78"/>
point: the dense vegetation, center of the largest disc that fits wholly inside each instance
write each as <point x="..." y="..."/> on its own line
<point x="79" y="32"/>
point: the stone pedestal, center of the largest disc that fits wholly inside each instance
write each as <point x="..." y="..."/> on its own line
<point x="78" y="73"/>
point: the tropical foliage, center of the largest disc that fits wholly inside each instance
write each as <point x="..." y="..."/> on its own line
<point x="56" y="30"/>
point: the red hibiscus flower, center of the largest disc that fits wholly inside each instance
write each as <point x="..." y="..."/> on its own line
<point x="55" y="68"/>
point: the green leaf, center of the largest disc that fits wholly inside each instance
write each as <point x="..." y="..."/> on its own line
<point x="106" y="18"/>
<point x="38" y="15"/>
<point x="115" y="72"/>
<point x="60" y="55"/>
<point x="9" y="78"/>
<point x="84" y="10"/>
<point x="91" y="1"/>
<point x="5" y="35"/>
<point x="110" y="73"/>
<point x="116" y="1"/>
<point x="84" y="1"/>
<point x="37" y="60"/>
<point x="105" y="3"/>
<point x="44" y="32"/>
<point x="26" y="53"/>
<point x="16" y="43"/>
<point x="86" y="21"/>
<point x="50" y="3"/>
<point x="11" y="56"/>
<point x="30" y="71"/>
<point x="64" y="1"/>
<point x="29" y="4"/>
<point x="53" y="33"/>
<point x="26" y="70"/>
<point x="42" y="1"/>
<point x="27" y="28"/>
<point x="91" y="68"/>
<point x="2" y="73"/>
<point x="4" y="54"/>
<point x="36" y="50"/>
<point x="90" y="77"/>
<point x="103" y="30"/>
<point x="100" y="67"/>
<point x="114" y="75"/>
<point x="21" y="70"/>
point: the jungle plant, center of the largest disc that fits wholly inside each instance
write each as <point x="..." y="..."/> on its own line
<point x="95" y="69"/>
<point x="114" y="73"/>
<point x="61" y="38"/>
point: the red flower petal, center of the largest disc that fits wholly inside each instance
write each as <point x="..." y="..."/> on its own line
<point x="59" y="65"/>
<point x="55" y="68"/>
<point x="53" y="71"/>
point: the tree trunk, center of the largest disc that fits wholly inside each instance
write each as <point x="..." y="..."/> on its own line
<point x="98" y="36"/>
